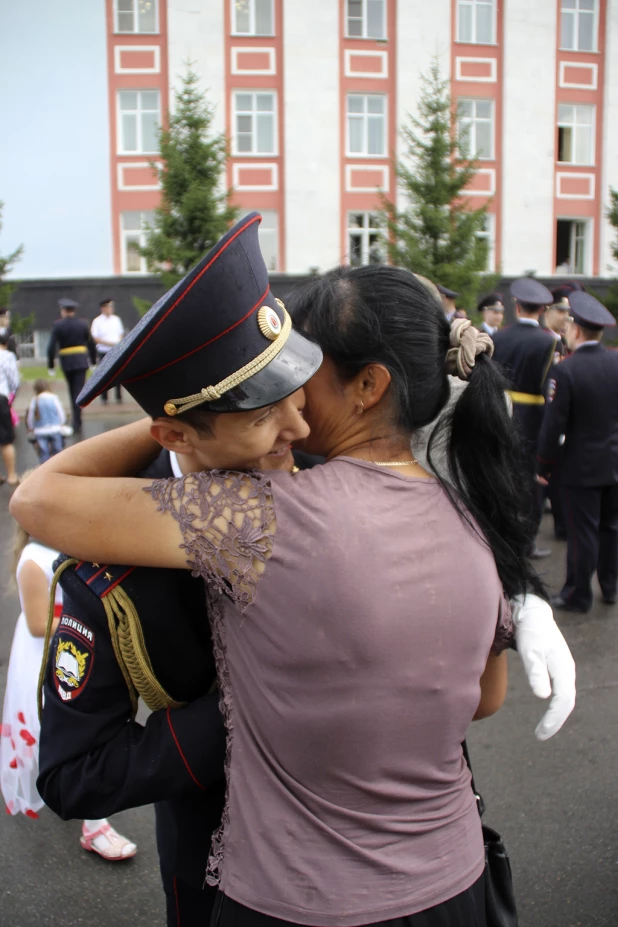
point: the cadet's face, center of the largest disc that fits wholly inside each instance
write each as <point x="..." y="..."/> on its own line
<point x="260" y="439"/>
<point x="557" y="320"/>
<point x="494" y="318"/>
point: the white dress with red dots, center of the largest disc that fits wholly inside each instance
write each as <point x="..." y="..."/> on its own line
<point x="19" y="740"/>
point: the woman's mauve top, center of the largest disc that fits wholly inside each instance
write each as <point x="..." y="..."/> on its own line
<point x="353" y="614"/>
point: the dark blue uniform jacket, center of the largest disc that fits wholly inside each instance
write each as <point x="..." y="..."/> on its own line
<point x="585" y="410"/>
<point x="71" y="332"/>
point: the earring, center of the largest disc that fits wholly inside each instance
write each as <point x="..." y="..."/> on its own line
<point x="360" y="408"/>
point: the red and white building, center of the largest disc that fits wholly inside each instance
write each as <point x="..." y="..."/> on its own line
<point x="312" y="96"/>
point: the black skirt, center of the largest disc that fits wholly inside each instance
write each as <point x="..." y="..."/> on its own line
<point x="7" y="432"/>
<point x="464" y="910"/>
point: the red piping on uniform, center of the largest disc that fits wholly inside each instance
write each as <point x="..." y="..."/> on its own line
<point x="114" y="584"/>
<point x="98" y="573"/>
<point x="181" y="297"/>
<point x="177" y="903"/>
<point x="184" y="759"/>
<point x="151" y="373"/>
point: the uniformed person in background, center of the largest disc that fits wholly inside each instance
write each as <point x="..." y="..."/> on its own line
<point x="71" y="338"/>
<point x="526" y="353"/>
<point x="585" y="411"/>
<point x="93" y="753"/>
<point x="491" y="308"/>
<point x="447" y="298"/>
<point x="556" y="317"/>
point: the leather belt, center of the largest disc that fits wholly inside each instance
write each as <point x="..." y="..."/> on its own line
<point x="526" y="399"/>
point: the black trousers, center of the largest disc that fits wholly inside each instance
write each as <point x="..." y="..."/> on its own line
<point x="464" y="910"/>
<point x="187" y="906"/>
<point x="75" y="381"/>
<point x="591" y="515"/>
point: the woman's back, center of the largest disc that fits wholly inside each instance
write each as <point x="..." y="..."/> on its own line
<point x="353" y="676"/>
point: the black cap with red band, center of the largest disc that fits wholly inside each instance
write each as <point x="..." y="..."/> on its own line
<point x="218" y="338"/>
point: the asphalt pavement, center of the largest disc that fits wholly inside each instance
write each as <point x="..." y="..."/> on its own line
<point x="554" y="803"/>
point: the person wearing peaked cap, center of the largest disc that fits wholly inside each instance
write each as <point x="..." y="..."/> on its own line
<point x="70" y="338"/>
<point x="491" y="308"/>
<point x="448" y="298"/>
<point x="526" y="353"/>
<point x="585" y="411"/>
<point x="93" y="753"/>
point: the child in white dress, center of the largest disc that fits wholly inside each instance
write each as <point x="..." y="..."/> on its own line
<point x="19" y="732"/>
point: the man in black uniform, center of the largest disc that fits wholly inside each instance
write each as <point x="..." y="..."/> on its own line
<point x="71" y="337"/>
<point x="526" y="353"/>
<point x="93" y="754"/>
<point x="585" y="411"/>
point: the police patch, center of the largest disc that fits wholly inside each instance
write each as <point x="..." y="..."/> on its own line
<point x="73" y="658"/>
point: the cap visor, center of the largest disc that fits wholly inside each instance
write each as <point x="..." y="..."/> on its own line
<point x="291" y="368"/>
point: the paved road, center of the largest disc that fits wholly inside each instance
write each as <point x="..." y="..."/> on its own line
<point x="554" y="803"/>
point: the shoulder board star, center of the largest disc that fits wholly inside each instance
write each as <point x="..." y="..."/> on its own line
<point x="108" y="576"/>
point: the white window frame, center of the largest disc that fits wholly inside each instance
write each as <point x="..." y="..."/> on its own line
<point x="489" y="234"/>
<point x="120" y="111"/>
<point x="593" y="137"/>
<point x="494" y="18"/>
<point x="364" y="23"/>
<point x="136" y="31"/>
<point x="366" y="116"/>
<point x="595" y="28"/>
<point x="252" y="31"/>
<point x="132" y="233"/>
<point x="588" y="223"/>
<point x="275" y="113"/>
<point x="472" y="123"/>
<point x="363" y="233"/>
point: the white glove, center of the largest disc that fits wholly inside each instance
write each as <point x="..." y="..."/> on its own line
<point x="547" y="660"/>
<point x="51" y="372"/>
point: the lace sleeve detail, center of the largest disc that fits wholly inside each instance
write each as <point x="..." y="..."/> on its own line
<point x="227" y="522"/>
<point x="505" y="633"/>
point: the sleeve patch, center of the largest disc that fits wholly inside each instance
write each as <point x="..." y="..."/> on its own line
<point x="73" y="657"/>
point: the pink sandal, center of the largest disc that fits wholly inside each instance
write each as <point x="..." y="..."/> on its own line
<point x="117" y="847"/>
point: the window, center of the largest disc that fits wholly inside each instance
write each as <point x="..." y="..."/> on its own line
<point x="138" y="121"/>
<point x="476" y="129"/>
<point x="133" y="234"/>
<point x="136" y="16"/>
<point x="488" y="234"/>
<point x="366" y="124"/>
<point x="578" y="30"/>
<point x="252" y="17"/>
<point x="254" y="117"/>
<point x="572" y="246"/>
<point x="475" y="21"/>
<point x="575" y="134"/>
<point x="366" y="19"/>
<point x="365" y="239"/>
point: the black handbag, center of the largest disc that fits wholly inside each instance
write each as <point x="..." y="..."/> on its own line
<point x="499" y="895"/>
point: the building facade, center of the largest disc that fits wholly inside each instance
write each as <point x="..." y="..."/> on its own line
<point x="312" y="97"/>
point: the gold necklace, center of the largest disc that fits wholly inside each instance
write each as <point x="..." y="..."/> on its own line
<point x="394" y="463"/>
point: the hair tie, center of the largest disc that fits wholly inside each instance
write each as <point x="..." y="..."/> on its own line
<point x="466" y="344"/>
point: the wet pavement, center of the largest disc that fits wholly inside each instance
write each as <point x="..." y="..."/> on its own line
<point x="554" y="803"/>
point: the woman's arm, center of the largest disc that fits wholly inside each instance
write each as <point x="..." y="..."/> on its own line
<point x="493" y="686"/>
<point x="34" y="590"/>
<point x="70" y="504"/>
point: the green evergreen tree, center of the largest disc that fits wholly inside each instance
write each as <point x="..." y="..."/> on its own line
<point x="194" y="211"/>
<point x="436" y="233"/>
<point x="6" y="264"/>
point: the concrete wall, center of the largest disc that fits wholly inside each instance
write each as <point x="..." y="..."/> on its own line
<point x="54" y="161"/>
<point x="529" y="136"/>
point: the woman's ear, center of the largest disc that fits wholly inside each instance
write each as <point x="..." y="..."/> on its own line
<point x="171" y="436"/>
<point x="374" y="382"/>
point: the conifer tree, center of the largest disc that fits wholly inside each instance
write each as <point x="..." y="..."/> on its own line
<point x="6" y="264"/>
<point x="194" y="211"/>
<point x="435" y="234"/>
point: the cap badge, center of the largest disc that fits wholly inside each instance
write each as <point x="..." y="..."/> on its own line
<point x="269" y="323"/>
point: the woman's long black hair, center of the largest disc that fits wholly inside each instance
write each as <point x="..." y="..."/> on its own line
<point x="384" y="315"/>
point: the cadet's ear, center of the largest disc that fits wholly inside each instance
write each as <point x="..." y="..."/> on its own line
<point x="173" y="436"/>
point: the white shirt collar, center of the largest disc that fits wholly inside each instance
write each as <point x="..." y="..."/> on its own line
<point x="175" y="465"/>
<point x="529" y="322"/>
<point x="586" y="344"/>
